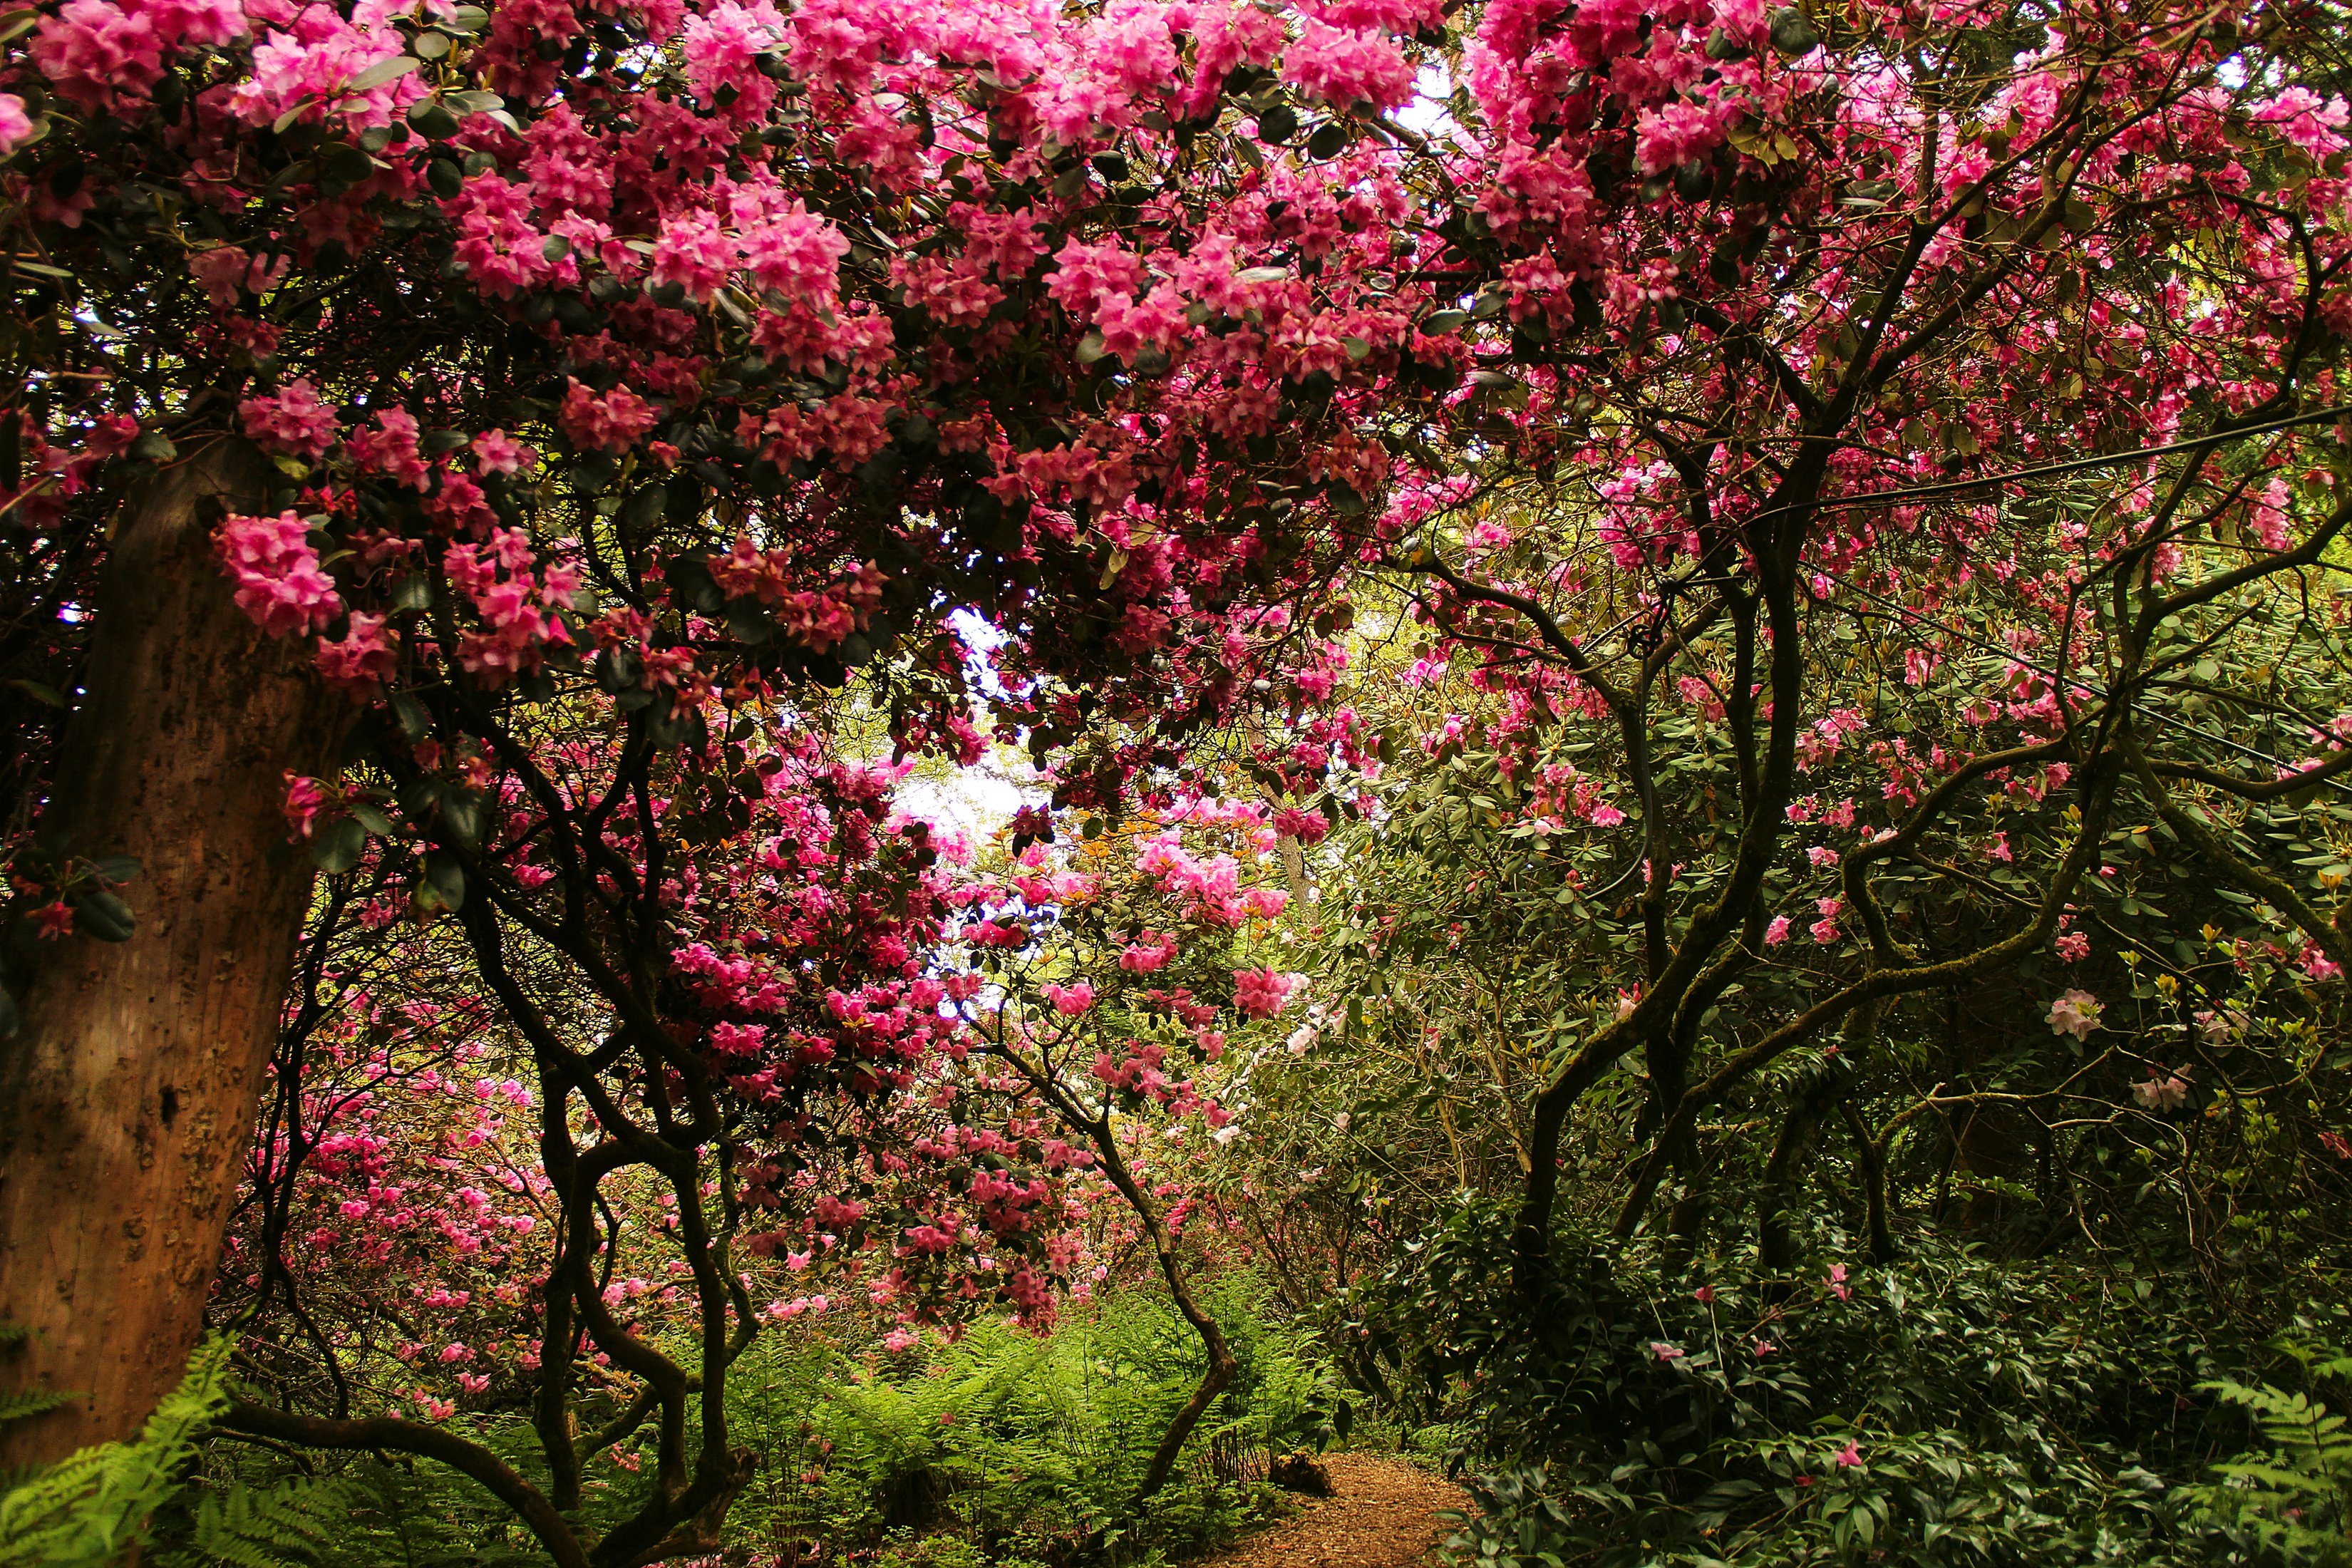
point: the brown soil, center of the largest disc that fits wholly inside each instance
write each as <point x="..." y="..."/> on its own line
<point x="1381" y="1514"/>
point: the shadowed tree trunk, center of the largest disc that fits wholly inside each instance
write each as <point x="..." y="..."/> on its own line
<point x="128" y="1093"/>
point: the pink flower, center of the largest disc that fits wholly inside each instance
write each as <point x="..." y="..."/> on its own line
<point x="1664" y="1352"/>
<point x="1262" y="992"/>
<point x="1825" y="930"/>
<point x="898" y="1340"/>
<point x="1704" y="1294"/>
<point x="1307" y="826"/>
<point x="1343" y="67"/>
<point x="1676" y="133"/>
<point x="97" y="57"/>
<point x="1965" y="168"/>
<point x="2076" y="1013"/>
<point x="278" y="581"/>
<point x="362" y="658"/>
<point x="1777" y="932"/>
<point x="500" y="453"/>
<point x="1850" y="1456"/>
<point x="1147" y="953"/>
<point x="308" y="73"/>
<point x="15" y="125"/>
<point x="693" y="254"/>
<point x="2306" y="119"/>
<point x="293" y="420"/>
<point x="796" y="254"/>
<point x="1070" y="1001"/>
<point x="1836" y="1282"/>
<point x="54" y="919"/>
<point x="608" y="424"/>
<point x="2167" y="1094"/>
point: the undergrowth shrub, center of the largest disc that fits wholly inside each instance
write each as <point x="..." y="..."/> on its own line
<point x="1027" y="1449"/>
<point x="1002" y="1449"/>
<point x="1948" y="1408"/>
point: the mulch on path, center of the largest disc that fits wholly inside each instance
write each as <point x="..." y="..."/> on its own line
<point x="1381" y="1514"/>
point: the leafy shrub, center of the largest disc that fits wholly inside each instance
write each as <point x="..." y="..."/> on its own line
<point x="1026" y="1449"/>
<point x="1948" y="1408"/>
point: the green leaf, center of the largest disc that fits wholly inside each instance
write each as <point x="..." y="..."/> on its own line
<point x="100" y="914"/>
<point x="462" y="815"/>
<point x="336" y="847"/>
<point x="443" y="886"/>
<point x="393" y="69"/>
<point x="47" y="695"/>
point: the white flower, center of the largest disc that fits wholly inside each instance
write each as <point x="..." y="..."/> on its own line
<point x="2076" y="1013"/>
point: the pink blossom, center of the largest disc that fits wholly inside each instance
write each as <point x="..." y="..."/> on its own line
<point x="1777" y="932"/>
<point x="15" y="125"/>
<point x="362" y="658"/>
<point x="500" y="453"/>
<point x="796" y="255"/>
<point x="97" y="57"/>
<point x="292" y="420"/>
<point x="1262" y="992"/>
<point x="1307" y="826"/>
<point x="611" y="423"/>
<point x="1825" y="930"/>
<point x="278" y="581"/>
<point x="1071" y="1001"/>
<point x="2306" y="119"/>
<point x="1150" y="952"/>
<point x="693" y="254"/>
<point x="1850" y="1456"/>
<point x="1344" y="67"/>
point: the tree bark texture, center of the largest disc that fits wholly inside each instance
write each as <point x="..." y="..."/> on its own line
<point x="128" y="1096"/>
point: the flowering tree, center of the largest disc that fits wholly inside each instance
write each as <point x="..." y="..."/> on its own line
<point x="1108" y="985"/>
<point x="618" y="371"/>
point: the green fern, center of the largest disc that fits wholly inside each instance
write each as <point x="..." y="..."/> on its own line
<point x="92" y="1507"/>
<point x="288" y="1524"/>
<point x="16" y="1405"/>
<point x="2295" y="1496"/>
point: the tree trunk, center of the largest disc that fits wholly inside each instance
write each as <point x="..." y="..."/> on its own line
<point x="128" y="1094"/>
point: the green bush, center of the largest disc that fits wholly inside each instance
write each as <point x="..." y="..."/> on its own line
<point x="1950" y="1409"/>
<point x="1001" y="1450"/>
<point x="1025" y="1448"/>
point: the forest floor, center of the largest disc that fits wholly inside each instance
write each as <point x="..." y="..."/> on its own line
<point x="1381" y="1514"/>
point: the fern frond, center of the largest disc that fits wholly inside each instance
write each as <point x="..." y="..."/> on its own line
<point x="288" y="1525"/>
<point x="17" y="1405"/>
<point x="90" y="1509"/>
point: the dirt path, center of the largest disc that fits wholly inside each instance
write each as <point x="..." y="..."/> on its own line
<point x="1380" y="1514"/>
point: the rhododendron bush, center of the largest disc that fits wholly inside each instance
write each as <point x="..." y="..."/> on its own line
<point x="476" y="443"/>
